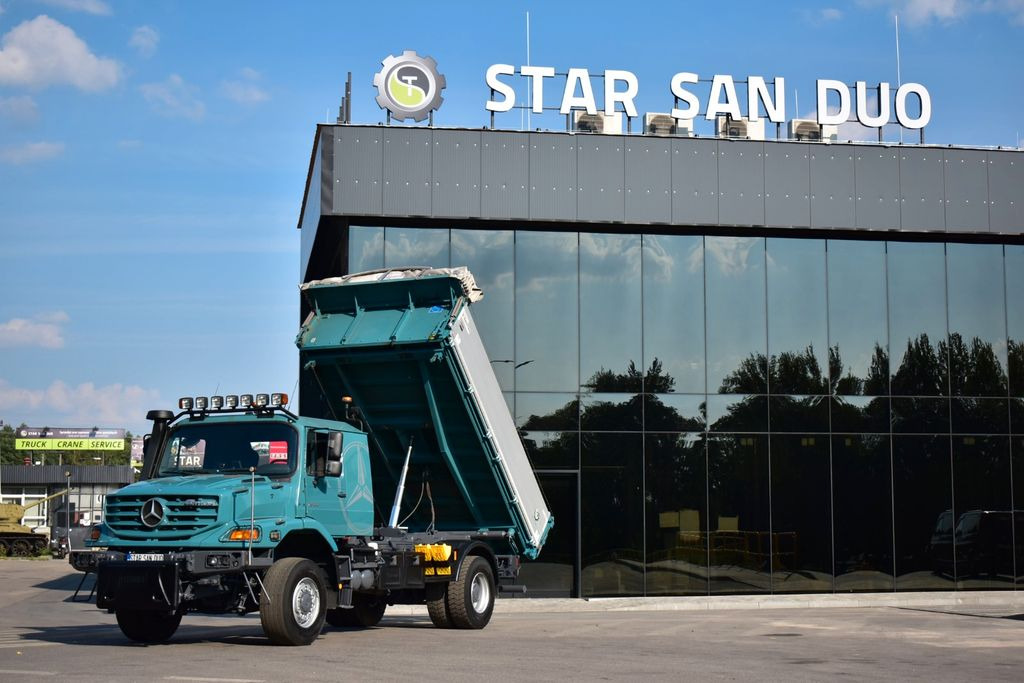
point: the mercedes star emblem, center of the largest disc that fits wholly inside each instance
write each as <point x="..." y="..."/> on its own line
<point x="152" y="512"/>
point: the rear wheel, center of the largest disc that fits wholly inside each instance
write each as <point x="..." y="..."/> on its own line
<point x="471" y="596"/>
<point x="293" y="605"/>
<point x="437" y="605"/>
<point x="366" y="611"/>
<point x="145" y="626"/>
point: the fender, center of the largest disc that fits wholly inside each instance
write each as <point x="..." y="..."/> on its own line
<point x="472" y="549"/>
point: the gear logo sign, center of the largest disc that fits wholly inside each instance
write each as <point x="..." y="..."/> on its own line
<point x="409" y="86"/>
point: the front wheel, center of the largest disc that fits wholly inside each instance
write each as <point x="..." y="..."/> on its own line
<point x="471" y="596"/>
<point x="146" y="626"/>
<point x="293" y="604"/>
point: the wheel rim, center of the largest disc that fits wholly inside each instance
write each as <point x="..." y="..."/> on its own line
<point x="480" y="593"/>
<point x="21" y="549"/>
<point x="305" y="602"/>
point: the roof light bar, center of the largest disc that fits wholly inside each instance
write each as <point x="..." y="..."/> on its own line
<point x="278" y="400"/>
<point x="262" y="400"/>
<point x="216" y="402"/>
<point x="185" y="403"/>
<point x="245" y="401"/>
<point x="230" y="401"/>
<point x="202" y="403"/>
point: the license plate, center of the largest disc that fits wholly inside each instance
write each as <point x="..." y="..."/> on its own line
<point x="145" y="557"/>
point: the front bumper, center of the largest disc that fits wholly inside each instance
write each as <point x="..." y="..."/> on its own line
<point x="155" y="581"/>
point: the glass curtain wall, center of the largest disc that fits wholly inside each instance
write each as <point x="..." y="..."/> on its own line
<point x="755" y="415"/>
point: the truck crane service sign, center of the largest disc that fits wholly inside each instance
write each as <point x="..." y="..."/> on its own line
<point x="622" y="87"/>
<point x="68" y="439"/>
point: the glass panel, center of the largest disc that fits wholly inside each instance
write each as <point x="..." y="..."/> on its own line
<point x="980" y="416"/>
<point x="613" y="509"/>
<point x="858" y="355"/>
<point x="677" y="552"/>
<point x="797" y="326"/>
<point x="736" y="332"/>
<point x="490" y="256"/>
<point x="1017" y="456"/>
<point x="1017" y="416"/>
<point x="917" y="319"/>
<point x="737" y="413"/>
<point x="552" y="450"/>
<point x="409" y="247"/>
<point x="920" y="415"/>
<point x="553" y="573"/>
<point x="977" y="320"/>
<point x="674" y="412"/>
<point x="1015" y="316"/>
<point x="611" y="412"/>
<point x="738" y="514"/>
<point x="547" y="305"/>
<point x="860" y="414"/>
<point x="798" y="413"/>
<point x="801" y="514"/>
<point x="674" y="313"/>
<point x="862" y="512"/>
<point x="610" y="313"/>
<point x="982" y="505"/>
<point x="365" y="249"/>
<point x="923" y="512"/>
<point x="547" y="411"/>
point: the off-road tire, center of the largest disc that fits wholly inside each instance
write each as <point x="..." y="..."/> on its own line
<point x="366" y="611"/>
<point x="147" y="626"/>
<point x="471" y="596"/>
<point x="294" y="606"/>
<point x="437" y="605"/>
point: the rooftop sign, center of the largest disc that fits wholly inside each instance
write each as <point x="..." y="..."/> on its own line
<point x="622" y="87"/>
<point x="409" y="86"/>
<point x="68" y="439"/>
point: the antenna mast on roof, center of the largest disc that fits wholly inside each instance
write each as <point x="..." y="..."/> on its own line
<point x="529" y="96"/>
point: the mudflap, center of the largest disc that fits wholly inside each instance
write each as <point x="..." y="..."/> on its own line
<point x="138" y="586"/>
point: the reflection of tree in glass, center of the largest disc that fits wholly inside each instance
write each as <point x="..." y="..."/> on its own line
<point x="875" y="384"/>
<point x="1015" y="363"/>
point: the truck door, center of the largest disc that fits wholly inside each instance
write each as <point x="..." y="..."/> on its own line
<point x="321" y="499"/>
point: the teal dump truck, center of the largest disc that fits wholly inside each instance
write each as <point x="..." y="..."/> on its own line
<point x="402" y="481"/>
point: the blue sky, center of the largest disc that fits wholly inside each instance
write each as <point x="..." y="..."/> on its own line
<point x="153" y="154"/>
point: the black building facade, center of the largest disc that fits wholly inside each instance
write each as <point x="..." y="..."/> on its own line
<point x="738" y="366"/>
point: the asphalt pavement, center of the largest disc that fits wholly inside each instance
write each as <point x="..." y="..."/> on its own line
<point x="942" y="637"/>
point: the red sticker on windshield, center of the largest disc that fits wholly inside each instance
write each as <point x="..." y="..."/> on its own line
<point x="278" y="452"/>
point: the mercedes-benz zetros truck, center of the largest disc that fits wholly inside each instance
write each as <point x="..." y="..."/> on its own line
<point x="403" y="481"/>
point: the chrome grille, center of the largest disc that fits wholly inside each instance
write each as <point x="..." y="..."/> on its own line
<point x="184" y="516"/>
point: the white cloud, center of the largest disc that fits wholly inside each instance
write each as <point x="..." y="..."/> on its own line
<point x="175" y="98"/>
<point x="30" y="152"/>
<point x="112" y="405"/>
<point x="43" y="51"/>
<point x="145" y="40"/>
<point x="245" y="91"/>
<point x="19" y="109"/>
<point x="88" y="6"/>
<point x="926" y="11"/>
<point x="44" y="330"/>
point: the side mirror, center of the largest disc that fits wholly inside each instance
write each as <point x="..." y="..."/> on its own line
<point x="334" y="454"/>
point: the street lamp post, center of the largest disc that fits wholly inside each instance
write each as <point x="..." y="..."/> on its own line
<point x="67" y="509"/>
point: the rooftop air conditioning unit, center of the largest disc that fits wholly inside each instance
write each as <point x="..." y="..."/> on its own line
<point x="809" y="129"/>
<point x="728" y="127"/>
<point x="664" y="124"/>
<point x="582" y="122"/>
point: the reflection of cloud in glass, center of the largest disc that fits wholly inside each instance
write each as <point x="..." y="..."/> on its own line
<point x="608" y="261"/>
<point x="366" y="249"/>
<point x="408" y="247"/>
<point x="730" y="254"/>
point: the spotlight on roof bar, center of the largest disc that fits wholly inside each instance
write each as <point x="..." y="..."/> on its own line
<point x="262" y="400"/>
<point x="231" y="401"/>
<point x="216" y="402"/>
<point x="278" y="400"/>
<point x="185" y="403"/>
<point x="202" y="403"/>
<point x="245" y="400"/>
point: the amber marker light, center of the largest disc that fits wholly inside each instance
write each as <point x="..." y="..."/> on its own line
<point x="244" y="535"/>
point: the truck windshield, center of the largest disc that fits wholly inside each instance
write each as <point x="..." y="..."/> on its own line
<point x="229" y="448"/>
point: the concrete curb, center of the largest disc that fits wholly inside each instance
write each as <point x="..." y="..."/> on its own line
<point x="1008" y="600"/>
